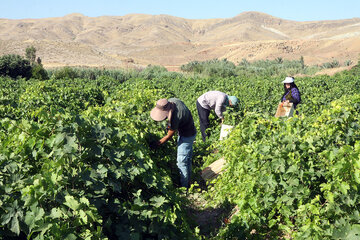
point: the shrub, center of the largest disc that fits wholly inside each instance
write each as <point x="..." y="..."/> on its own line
<point x="244" y="62"/>
<point x="225" y="68"/>
<point x="151" y="72"/>
<point x="65" y="72"/>
<point x="348" y="63"/>
<point x="39" y="72"/>
<point x="194" y="66"/>
<point x="335" y="63"/>
<point x="279" y="60"/>
<point x="214" y="67"/>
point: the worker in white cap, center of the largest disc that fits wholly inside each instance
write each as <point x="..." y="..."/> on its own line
<point x="291" y="92"/>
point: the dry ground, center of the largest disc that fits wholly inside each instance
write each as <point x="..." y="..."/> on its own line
<point x="137" y="40"/>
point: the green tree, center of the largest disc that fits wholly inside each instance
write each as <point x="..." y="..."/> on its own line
<point x="14" y="66"/>
<point x="302" y="62"/>
<point x="31" y="54"/>
<point x="38" y="60"/>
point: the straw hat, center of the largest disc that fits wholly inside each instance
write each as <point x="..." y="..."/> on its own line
<point x="161" y="111"/>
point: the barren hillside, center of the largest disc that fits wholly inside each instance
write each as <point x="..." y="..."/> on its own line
<point x="140" y="39"/>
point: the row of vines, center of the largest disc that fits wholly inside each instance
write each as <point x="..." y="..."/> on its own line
<point x="75" y="161"/>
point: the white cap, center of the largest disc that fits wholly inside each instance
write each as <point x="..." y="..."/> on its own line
<point x="288" y="80"/>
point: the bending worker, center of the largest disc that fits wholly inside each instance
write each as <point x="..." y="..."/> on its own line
<point x="179" y="119"/>
<point x="215" y="100"/>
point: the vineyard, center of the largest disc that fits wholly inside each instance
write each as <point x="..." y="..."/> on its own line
<point x="75" y="161"/>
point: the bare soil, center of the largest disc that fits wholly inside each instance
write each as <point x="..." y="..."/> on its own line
<point x="137" y="40"/>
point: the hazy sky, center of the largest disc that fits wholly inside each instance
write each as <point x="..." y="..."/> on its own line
<point x="303" y="10"/>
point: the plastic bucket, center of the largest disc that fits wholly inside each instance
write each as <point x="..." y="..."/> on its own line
<point x="225" y="130"/>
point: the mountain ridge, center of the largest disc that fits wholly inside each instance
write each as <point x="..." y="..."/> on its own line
<point x="142" y="39"/>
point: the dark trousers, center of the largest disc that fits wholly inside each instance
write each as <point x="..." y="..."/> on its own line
<point x="203" y="118"/>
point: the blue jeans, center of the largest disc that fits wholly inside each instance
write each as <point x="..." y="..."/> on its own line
<point x="184" y="154"/>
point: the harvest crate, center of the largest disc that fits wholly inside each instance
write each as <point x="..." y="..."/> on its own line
<point x="213" y="170"/>
<point x="285" y="110"/>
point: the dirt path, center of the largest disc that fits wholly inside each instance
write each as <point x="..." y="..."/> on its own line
<point x="208" y="219"/>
